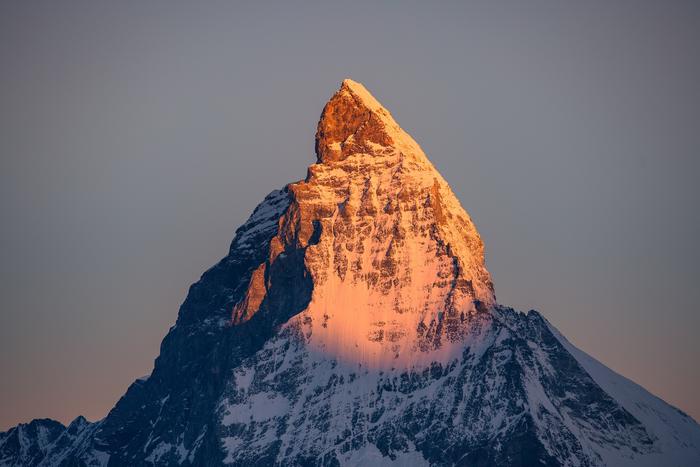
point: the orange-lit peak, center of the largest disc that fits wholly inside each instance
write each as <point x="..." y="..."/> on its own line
<point x="352" y="117"/>
<point x="394" y="259"/>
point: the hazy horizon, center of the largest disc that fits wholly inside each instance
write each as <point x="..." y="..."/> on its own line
<point x="136" y="137"/>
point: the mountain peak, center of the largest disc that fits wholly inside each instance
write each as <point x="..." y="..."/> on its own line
<point x="360" y="92"/>
<point x="393" y="258"/>
<point x="353" y="322"/>
<point x="389" y="262"/>
<point x="353" y="117"/>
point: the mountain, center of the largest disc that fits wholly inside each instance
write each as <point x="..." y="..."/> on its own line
<point x="353" y="322"/>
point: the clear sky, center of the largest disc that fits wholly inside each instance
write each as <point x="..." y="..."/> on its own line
<point x="136" y="136"/>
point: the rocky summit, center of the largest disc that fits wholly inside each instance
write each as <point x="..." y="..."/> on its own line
<point x="354" y="322"/>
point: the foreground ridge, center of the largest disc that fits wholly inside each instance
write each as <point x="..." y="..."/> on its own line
<point x="353" y="322"/>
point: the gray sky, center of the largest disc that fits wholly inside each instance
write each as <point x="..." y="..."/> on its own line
<point x="136" y="136"/>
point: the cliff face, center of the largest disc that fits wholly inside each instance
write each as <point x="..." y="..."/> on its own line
<point x="354" y="322"/>
<point x="394" y="260"/>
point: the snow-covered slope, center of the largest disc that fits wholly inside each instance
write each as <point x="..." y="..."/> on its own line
<point x="515" y="396"/>
<point x="675" y="435"/>
<point x="354" y="322"/>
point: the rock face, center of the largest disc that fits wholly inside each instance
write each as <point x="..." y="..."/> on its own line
<point x="395" y="261"/>
<point x="28" y="444"/>
<point x="354" y="322"/>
